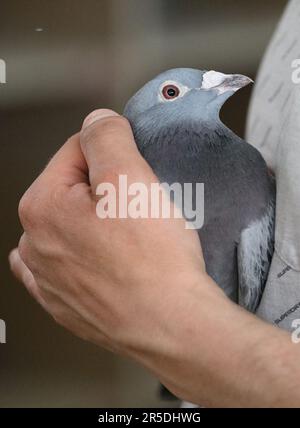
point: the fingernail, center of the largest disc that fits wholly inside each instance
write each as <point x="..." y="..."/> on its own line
<point x="98" y="115"/>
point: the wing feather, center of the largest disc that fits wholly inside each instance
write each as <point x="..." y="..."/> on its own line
<point x="255" y="252"/>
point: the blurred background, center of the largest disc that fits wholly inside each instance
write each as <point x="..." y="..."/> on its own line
<point x="65" y="58"/>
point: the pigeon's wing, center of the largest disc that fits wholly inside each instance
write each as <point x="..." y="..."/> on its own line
<point x="254" y="253"/>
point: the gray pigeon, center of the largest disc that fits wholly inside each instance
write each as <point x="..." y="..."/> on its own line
<point x="177" y="128"/>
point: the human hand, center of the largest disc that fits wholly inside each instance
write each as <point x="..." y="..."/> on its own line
<point x="101" y="278"/>
<point x="138" y="286"/>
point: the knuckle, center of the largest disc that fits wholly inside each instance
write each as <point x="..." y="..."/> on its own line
<point x="25" y="208"/>
<point x="36" y="205"/>
<point x="24" y="250"/>
<point x="32" y="205"/>
<point x="14" y="260"/>
<point x="29" y="213"/>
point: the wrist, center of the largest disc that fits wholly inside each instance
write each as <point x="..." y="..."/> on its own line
<point x="171" y="330"/>
<point x="209" y="351"/>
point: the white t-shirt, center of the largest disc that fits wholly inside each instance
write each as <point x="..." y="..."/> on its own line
<point x="274" y="128"/>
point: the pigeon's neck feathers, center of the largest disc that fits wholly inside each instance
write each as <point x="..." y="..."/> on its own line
<point x="215" y="131"/>
<point x="197" y="136"/>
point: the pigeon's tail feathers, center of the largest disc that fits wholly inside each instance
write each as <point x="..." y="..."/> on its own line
<point x="255" y="252"/>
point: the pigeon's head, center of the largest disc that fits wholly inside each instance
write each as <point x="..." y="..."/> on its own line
<point x="180" y="96"/>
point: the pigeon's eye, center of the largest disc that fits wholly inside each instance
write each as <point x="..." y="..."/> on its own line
<point x="170" y="92"/>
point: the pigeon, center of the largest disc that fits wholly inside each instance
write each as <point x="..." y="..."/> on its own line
<point x="176" y="123"/>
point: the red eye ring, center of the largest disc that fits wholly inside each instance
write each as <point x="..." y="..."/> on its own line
<point x="170" y="92"/>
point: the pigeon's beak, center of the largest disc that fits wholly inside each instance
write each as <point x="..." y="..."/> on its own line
<point x="224" y="82"/>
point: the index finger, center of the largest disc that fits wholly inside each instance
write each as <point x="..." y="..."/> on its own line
<point x="68" y="166"/>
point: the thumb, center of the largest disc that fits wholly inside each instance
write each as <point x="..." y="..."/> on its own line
<point x="109" y="148"/>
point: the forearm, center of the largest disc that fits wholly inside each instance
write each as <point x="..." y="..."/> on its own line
<point x="214" y="353"/>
